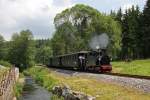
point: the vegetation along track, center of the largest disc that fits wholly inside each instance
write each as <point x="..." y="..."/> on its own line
<point x="113" y="74"/>
<point x="140" y="83"/>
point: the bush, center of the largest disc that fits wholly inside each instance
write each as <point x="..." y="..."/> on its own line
<point x="5" y="63"/>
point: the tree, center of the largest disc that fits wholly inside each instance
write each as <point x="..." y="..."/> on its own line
<point x="77" y="25"/>
<point x="21" y="52"/>
<point x="2" y="55"/>
<point x="146" y="30"/>
<point x="43" y="54"/>
<point x="43" y="51"/>
<point x="131" y="35"/>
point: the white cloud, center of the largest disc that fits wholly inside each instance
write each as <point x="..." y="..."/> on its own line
<point x="36" y="15"/>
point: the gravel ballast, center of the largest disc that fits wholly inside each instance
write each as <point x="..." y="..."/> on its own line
<point x="140" y="84"/>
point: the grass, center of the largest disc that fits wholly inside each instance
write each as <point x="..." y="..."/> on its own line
<point x="136" y="67"/>
<point x="18" y="88"/>
<point x="42" y="77"/>
<point x="55" y="97"/>
<point x="101" y="90"/>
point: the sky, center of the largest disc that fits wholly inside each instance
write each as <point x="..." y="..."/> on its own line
<point x="38" y="15"/>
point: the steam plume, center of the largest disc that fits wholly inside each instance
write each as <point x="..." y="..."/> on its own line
<point x="99" y="41"/>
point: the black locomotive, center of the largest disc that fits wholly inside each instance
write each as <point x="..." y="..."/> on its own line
<point x="84" y="60"/>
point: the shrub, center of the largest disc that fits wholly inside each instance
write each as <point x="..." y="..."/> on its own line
<point x="18" y="89"/>
<point x="5" y="63"/>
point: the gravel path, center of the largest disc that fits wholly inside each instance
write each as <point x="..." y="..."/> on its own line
<point x="140" y="84"/>
<point x="32" y="91"/>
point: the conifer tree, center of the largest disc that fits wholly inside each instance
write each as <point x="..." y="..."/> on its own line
<point x="146" y="29"/>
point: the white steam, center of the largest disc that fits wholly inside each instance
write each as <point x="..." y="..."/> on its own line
<point x="99" y="41"/>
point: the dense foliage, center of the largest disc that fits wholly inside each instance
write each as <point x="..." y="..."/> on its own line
<point x="43" y="51"/>
<point x="5" y="63"/>
<point x="145" y="30"/>
<point x="2" y="52"/>
<point x="77" y="25"/>
<point x="130" y="31"/>
<point x="21" y="51"/>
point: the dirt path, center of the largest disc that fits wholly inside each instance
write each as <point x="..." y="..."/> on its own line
<point x="32" y="91"/>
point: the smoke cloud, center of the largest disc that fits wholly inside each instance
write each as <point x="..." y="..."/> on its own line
<point x="99" y="41"/>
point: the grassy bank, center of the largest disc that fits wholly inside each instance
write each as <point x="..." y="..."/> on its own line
<point x="19" y="86"/>
<point x="136" y="67"/>
<point x="101" y="90"/>
<point x="42" y="77"/>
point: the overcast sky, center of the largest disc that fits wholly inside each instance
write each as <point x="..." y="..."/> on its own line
<point x="38" y="15"/>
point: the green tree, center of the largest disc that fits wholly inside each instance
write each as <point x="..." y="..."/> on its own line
<point x="43" y="51"/>
<point x="2" y="55"/>
<point x="131" y="35"/>
<point x="77" y="25"/>
<point x="146" y="30"/>
<point x="21" y="52"/>
<point x="43" y="54"/>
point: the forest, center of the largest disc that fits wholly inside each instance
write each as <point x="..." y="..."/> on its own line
<point x="128" y="32"/>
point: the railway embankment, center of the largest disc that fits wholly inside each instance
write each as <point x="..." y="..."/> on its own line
<point x="85" y="83"/>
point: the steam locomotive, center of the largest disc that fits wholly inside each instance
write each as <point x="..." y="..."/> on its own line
<point x="85" y="61"/>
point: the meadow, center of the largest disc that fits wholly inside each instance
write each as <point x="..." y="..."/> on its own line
<point x="136" y="67"/>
